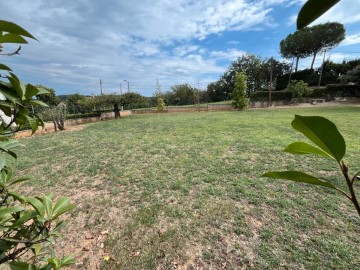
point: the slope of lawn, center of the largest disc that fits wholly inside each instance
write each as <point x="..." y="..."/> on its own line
<point x="183" y="191"/>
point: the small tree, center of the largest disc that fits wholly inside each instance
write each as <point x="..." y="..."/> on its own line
<point x="160" y="104"/>
<point x="28" y="225"/>
<point x="57" y="114"/>
<point x="240" y="101"/>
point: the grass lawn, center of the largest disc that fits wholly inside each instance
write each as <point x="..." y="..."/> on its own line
<point x="183" y="191"/>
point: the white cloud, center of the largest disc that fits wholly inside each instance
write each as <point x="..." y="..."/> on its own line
<point x="332" y="56"/>
<point x="230" y="54"/>
<point x="351" y="40"/>
<point x="82" y="41"/>
<point x="345" y="12"/>
<point x="185" y="49"/>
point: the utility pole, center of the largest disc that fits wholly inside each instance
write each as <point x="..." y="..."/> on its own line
<point x="128" y="84"/>
<point x="101" y="90"/>
<point x="120" y="89"/>
<point x="271" y="79"/>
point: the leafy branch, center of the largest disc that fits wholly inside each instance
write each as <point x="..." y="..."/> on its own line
<point x="330" y="144"/>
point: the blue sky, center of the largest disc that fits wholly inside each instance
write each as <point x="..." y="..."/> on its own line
<point x="142" y="41"/>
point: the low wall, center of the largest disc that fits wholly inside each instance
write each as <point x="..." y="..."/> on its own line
<point x="264" y="104"/>
<point x="49" y="126"/>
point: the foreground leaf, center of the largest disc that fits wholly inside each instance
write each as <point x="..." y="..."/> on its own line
<point x="298" y="177"/>
<point x="312" y="10"/>
<point x="13" y="28"/>
<point x="323" y="133"/>
<point x="302" y="148"/>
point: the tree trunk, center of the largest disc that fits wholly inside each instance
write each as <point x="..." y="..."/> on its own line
<point x="116" y="110"/>
<point x="313" y="61"/>
<point x="292" y="64"/>
<point x="297" y="63"/>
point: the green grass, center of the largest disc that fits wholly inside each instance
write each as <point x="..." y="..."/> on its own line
<point x="185" y="190"/>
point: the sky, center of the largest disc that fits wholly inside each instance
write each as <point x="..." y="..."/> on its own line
<point x="137" y="43"/>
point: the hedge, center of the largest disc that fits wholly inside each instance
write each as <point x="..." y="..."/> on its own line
<point x="275" y="96"/>
<point x="83" y="115"/>
<point x="336" y="90"/>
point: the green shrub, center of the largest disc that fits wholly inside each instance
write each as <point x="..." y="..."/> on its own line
<point x="240" y="101"/>
<point x="160" y="104"/>
<point x="343" y="90"/>
<point x="299" y="89"/>
<point x="275" y="96"/>
<point x="336" y="90"/>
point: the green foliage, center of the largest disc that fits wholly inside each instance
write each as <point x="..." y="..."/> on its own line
<point x="238" y="95"/>
<point x="217" y="91"/>
<point x="27" y="224"/>
<point x="74" y="103"/>
<point x="275" y="96"/>
<point x="342" y="90"/>
<point x="299" y="89"/>
<point x="296" y="45"/>
<point x="83" y="115"/>
<point x="352" y="76"/>
<point x="330" y="144"/>
<point x="50" y="97"/>
<point x="161" y="104"/>
<point x="56" y="114"/>
<point x="257" y="71"/>
<point x="183" y="94"/>
<point x="311" y="40"/>
<point x="134" y="100"/>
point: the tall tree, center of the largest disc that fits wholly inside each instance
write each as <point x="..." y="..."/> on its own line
<point x="296" y="45"/>
<point x="183" y="94"/>
<point x="217" y="91"/>
<point x="253" y="67"/>
<point x="325" y="37"/>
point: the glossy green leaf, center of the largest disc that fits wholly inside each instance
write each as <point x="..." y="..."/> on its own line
<point x="312" y="10"/>
<point x="9" y="94"/>
<point x="38" y="206"/>
<point x="37" y="102"/>
<point x="18" y="196"/>
<point x="16" y="85"/>
<point x="298" y="177"/>
<point x="2" y="163"/>
<point x="31" y="91"/>
<point x="48" y="205"/>
<point x="323" y="133"/>
<point x="12" y="38"/>
<point x="37" y="249"/>
<point x="67" y="260"/>
<point x="24" y="218"/>
<point x="9" y="210"/>
<point x="42" y="91"/>
<point x="19" y="180"/>
<point x="55" y="263"/>
<point x="13" y="28"/>
<point x="15" y="265"/>
<point x="33" y="124"/>
<point x="302" y="148"/>
<point x="4" y="67"/>
<point x="61" y="206"/>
